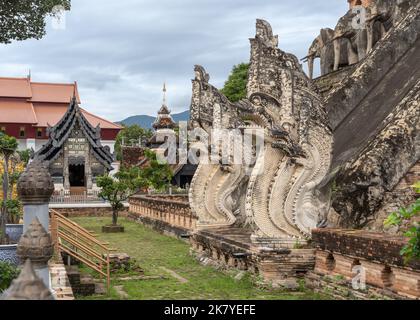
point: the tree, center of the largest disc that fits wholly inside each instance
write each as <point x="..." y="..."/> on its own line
<point x="158" y="175"/>
<point x="8" y="146"/>
<point x="130" y="134"/>
<point x="25" y="19"/>
<point x="13" y="204"/>
<point x="235" y="86"/>
<point x="411" y="251"/>
<point x="129" y="181"/>
<point x="25" y="155"/>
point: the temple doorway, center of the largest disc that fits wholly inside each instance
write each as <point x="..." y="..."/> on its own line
<point x="77" y="175"/>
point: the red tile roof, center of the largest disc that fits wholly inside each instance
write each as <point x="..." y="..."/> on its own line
<point x="15" y="88"/>
<point x="40" y="104"/>
<point x="95" y="120"/>
<point x="53" y="92"/>
<point x="52" y="113"/>
<point x="17" y="111"/>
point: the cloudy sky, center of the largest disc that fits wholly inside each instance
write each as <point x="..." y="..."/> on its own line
<point x="121" y="52"/>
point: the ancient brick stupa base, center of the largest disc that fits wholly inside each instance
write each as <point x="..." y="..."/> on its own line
<point x="232" y="248"/>
<point x="112" y="229"/>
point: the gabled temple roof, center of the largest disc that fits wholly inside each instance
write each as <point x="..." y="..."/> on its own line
<point x="59" y="134"/>
<point x="54" y="92"/>
<point x="40" y="103"/>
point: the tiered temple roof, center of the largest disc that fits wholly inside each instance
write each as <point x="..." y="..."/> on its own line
<point x="164" y="119"/>
<point x="59" y="134"/>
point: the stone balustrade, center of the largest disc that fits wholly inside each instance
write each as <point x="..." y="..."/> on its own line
<point x="169" y="213"/>
<point x="340" y="252"/>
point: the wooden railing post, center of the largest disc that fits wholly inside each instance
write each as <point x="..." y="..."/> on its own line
<point x="54" y="234"/>
<point x="80" y="244"/>
<point x="108" y="272"/>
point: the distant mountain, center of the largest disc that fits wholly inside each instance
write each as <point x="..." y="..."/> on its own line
<point x="183" y="116"/>
<point x="147" y="121"/>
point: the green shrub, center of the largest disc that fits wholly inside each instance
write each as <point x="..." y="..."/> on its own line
<point x="411" y="251"/>
<point x="8" y="272"/>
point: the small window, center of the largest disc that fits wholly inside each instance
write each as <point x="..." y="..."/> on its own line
<point x="39" y="133"/>
<point x="22" y="132"/>
<point x="3" y="129"/>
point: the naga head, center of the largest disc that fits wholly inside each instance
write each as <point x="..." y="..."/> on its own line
<point x="201" y="74"/>
<point x="265" y="33"/>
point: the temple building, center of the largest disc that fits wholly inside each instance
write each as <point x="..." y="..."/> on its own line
<point x="74" y="152"/>
<point x="163" y="124"/>
<point x="47" y="119"/>
<point x="27" y="108"/>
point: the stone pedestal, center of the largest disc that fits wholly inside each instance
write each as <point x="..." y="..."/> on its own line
<point x="35" y="188"/>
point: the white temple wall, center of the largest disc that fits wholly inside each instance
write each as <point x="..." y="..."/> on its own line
<point x="110" y="144"/>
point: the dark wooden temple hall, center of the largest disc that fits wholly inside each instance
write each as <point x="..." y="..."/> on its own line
<point x="74" y="152"/>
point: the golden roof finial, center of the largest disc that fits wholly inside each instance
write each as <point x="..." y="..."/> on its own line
<point x="164" y="93"/>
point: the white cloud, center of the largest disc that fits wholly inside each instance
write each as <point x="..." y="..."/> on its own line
<point x="121" y="52"/>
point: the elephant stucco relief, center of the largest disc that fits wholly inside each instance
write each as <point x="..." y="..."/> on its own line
<point x="356" y="34"/>
<point x="322" y="48"/>
<point x="350" y="43"/>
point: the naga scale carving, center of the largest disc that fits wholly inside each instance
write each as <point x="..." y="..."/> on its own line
<point x="277" y="196"/>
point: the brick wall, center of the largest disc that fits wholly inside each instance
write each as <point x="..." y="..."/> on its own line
<point x="173" y="211"/>
<point x="340" y="251"/>
<point x="411" y="177"/>
<point x="89" y="212"/>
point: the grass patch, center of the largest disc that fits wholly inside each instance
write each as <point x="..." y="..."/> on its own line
<point x="153" y="250"/>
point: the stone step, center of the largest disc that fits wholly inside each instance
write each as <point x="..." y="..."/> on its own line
<point x="73" y="274"/>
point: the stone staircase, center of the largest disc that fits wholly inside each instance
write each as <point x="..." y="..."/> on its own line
<point x="83" y="284"/>
<point x="60" y="282"/>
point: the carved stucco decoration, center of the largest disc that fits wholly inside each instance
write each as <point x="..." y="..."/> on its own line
<point x="215" y="194"/>
<point x="27" y="286"/>
<point x="35" y="244"/>
<point x="35" y="185"/>
<point x="282" y="204"/>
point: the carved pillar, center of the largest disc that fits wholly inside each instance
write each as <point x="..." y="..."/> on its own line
<point x="88" y="169"/>
<point x="66" y="168"/>
<point x="35" y="188"/>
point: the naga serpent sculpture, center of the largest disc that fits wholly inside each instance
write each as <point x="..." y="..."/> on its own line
<point x="277" y="196"/>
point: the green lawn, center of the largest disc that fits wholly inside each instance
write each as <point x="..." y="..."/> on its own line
<point x="153" y="251"/>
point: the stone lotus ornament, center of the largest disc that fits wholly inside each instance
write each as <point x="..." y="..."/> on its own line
<point x="35" y="185"/>
<point x="27" y="286"/>
<point x="35" y="244"/>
